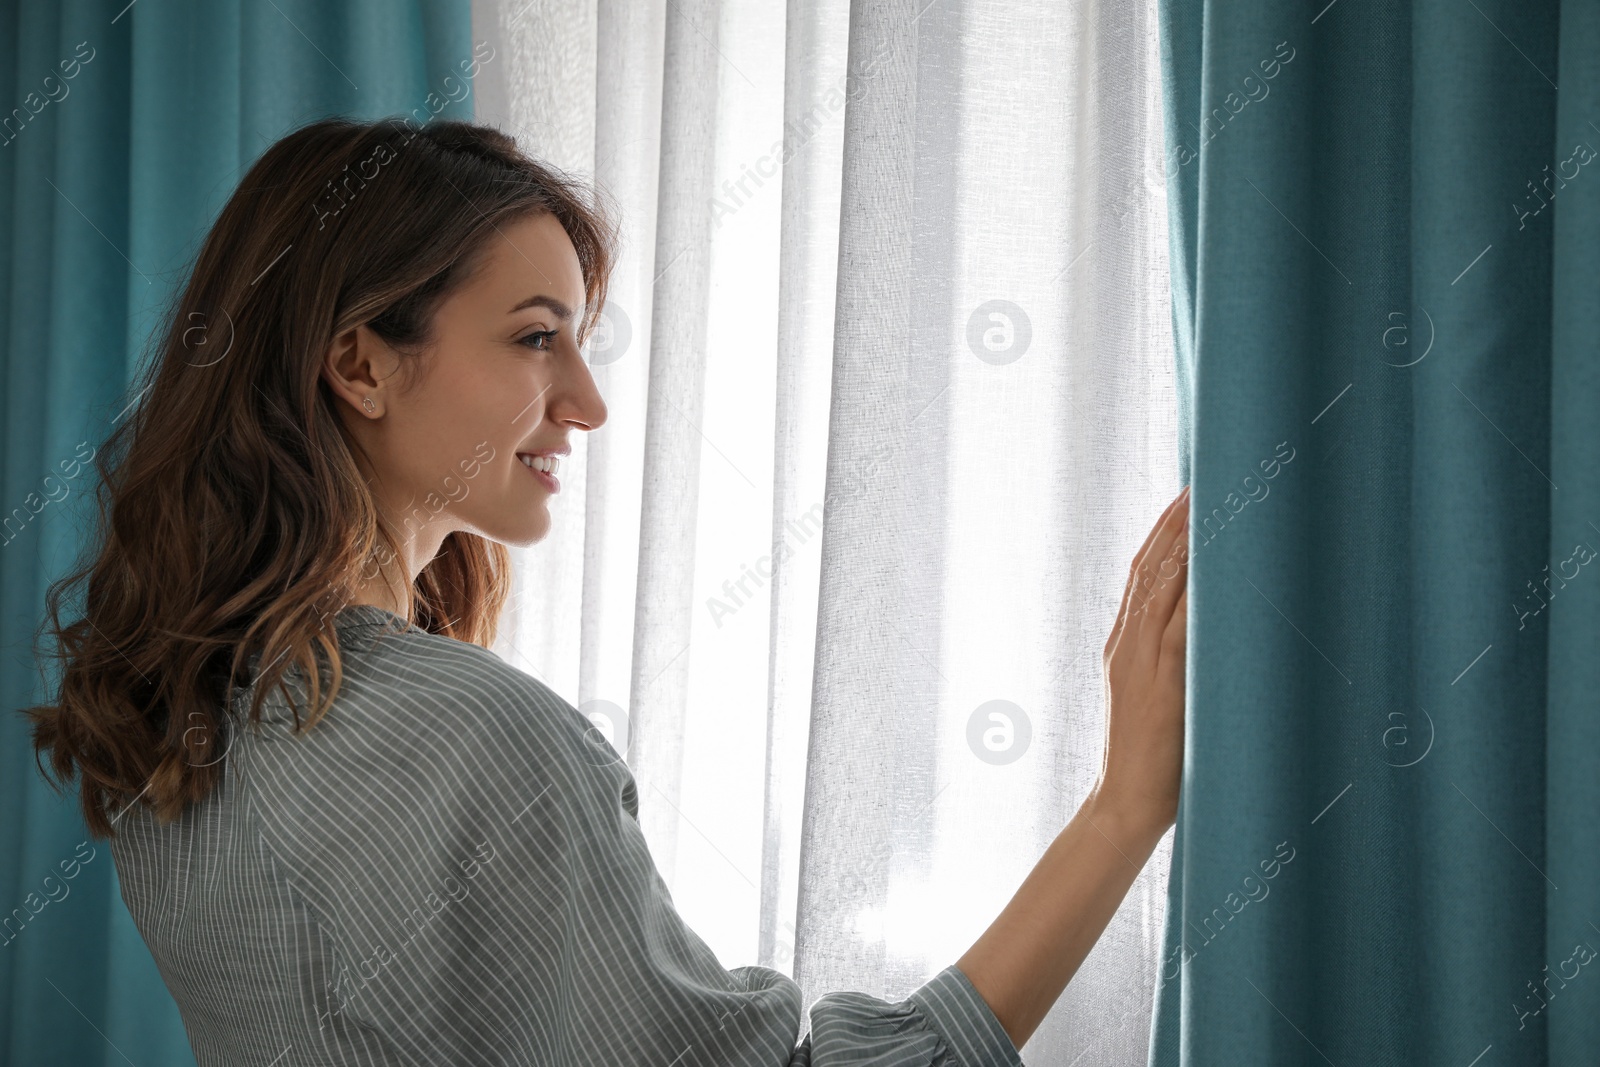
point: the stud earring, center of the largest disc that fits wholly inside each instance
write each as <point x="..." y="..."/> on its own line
<point x="367" y="403"/>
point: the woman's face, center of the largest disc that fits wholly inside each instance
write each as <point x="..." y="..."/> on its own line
<point x="503" y="378"/>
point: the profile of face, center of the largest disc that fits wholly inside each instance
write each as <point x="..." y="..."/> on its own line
<point x="503" y="379"/>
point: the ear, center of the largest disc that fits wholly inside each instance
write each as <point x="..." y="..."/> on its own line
<point x="355" y="366"/>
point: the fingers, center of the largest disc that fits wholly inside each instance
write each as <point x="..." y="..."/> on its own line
<point x="1130" y="592"/>
<point x="1162" y="560"/>
<point x="1175" y="637"/>
<point x="1170" y="580"/>
<point x="1181" y="500"/>
<point x="1173" y="521"/>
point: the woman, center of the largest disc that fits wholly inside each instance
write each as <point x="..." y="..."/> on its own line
<point x="363" y="396"/>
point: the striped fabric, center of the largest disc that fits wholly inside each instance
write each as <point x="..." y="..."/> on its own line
<point x="447" y="869"/>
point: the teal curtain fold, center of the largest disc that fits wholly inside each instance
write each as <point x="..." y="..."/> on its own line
<point x="1385" y="247"/>
<point x="123" y="129"/>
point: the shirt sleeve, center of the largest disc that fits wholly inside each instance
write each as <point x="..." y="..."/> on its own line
<point x="470" y="847"/>
<point x="944" y="1022"/>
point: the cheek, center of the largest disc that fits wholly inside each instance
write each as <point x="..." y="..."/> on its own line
<point x="461" y="443"/>
<point x="463" y="438"/>
<point x="524" y="397"/>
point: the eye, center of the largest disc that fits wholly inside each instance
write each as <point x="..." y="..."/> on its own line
<point x="532" y="340"/>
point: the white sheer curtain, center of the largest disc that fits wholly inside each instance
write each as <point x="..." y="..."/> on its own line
<point x="898" y="265"/>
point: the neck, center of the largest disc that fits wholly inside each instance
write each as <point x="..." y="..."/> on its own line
<point x="389" y="589"/>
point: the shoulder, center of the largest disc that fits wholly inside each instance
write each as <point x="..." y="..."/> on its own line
<point x="429" y="702"/>
<point x="435" y="757"/>
<point x="457" y="684"/>
<point x="426" y="732"/>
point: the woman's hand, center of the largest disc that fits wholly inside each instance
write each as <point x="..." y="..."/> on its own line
<point x="1033" y="948"/>
<point x="1144" y="662"/>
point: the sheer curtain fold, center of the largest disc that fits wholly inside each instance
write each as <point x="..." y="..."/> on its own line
<point x="898" y="375"/>
<point x="679" y="303"/>
<point x="541" y="87"/>
<point x="816" y="90"/>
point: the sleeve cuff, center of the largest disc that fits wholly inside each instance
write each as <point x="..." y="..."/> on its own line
<point x="953" y="1008"/>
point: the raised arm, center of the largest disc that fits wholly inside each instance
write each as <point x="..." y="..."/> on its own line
<point x="480" y="891"/>
<point x="1030" y="952"/>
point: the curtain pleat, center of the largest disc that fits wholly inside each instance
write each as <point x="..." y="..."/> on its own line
<point x="674" y="413"/>
<point x="1572" y="727"/>
<point x="1383" y="261"/>
<point x="541" y="89"/>
<point x="876" y="693"/>
<point x="816" y="90"/>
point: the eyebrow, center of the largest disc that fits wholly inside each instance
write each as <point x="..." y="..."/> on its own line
<point x="560" y="309"/>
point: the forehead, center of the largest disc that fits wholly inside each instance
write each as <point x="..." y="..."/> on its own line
<point x="531" y="256"/>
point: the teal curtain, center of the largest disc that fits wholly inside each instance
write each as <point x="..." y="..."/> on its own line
<point x="1385" y="236"/>
<point x="123" y="129"/>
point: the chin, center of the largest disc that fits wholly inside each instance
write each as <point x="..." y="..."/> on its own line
<point x="523" y="531"/>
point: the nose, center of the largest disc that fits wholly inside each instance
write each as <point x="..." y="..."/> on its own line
<point x="575" y="398"/>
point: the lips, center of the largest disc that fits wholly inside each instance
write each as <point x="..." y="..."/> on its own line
<point x="548" y="462"/>
<point x="543" y="468"/>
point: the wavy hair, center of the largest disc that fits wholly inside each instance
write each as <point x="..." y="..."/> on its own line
<point x="233" y="519"/>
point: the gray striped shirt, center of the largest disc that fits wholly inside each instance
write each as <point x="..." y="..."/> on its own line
<point x="448" y="869"/>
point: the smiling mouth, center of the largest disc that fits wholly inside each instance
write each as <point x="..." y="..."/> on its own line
<point x="543" y="468"/>
<point x="548" y="464"/>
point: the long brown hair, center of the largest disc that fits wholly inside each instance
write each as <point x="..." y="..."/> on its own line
<point x="234" y="521"/>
